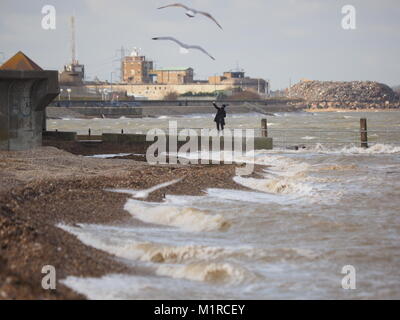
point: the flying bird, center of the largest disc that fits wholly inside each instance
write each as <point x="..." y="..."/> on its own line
<point x="191" y="13"/>
<point x="144" y="193"/>
<point x="184" y="46"/>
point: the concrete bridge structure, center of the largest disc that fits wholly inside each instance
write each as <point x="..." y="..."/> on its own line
<point x="25" y="91"/>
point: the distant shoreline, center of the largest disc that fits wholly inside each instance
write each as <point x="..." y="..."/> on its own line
<point x="157" y="111"/>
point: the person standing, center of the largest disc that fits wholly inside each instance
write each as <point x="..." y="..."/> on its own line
<point x="220" y="116"/>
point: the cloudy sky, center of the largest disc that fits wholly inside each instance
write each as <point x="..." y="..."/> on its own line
<point x="277" y="40"/>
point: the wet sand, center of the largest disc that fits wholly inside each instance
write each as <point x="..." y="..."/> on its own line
<point x="47" y="186"/>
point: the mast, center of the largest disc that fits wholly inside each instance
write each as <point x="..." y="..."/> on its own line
<point x="73" y="46"/>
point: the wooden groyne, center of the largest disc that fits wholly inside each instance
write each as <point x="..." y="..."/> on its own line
<point x="140" y="140"/>
<point x="211" y="141"/>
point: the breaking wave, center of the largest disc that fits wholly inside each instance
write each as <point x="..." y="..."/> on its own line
<point x="207" y="272"/>
<point x="375" y="149"/>
<point x="283" y="176"/>
<point x="185" y="218"/>
<point x="159" y="253"/>
<point x="276" y="186"/>
<point x="247" y="196"/>
<point x="146" y="251"/>
<point x="168" y="254"/>
<point x="378" y="148"/>
<point x="287" y="180"/>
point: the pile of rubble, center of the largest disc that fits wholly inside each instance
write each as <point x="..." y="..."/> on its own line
<point x="356" y="94"/>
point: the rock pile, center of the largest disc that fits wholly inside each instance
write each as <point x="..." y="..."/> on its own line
<point x="356" y="94"/>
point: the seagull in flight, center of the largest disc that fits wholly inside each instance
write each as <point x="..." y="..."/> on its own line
<point x="191" y="13"/>
<point x="142" y="194"/>
<point x="184" y="47"/>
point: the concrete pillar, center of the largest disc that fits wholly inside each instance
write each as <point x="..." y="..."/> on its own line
<point x="25" y="91"/>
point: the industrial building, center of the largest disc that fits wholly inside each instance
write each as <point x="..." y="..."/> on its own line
<point x="227" y="76"/>
<point x="237" y="79"/>
<point x="173" y="76"/>
<point x="140" y="79"/>
<point x="136" y="69"/>
<point x="73" y="73"/>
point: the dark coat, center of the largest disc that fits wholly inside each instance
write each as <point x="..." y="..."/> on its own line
<point x="221" y="114"/>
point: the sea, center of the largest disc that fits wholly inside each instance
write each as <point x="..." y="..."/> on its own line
<point x="320" y="221"/>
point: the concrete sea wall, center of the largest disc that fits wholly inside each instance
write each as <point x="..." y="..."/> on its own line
<point x="259" y="142"/>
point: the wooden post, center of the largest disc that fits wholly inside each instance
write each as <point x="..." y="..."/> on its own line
<point x="90" y="132"/>
<point x="264" y="128"/>
<point x="364" y="133"/>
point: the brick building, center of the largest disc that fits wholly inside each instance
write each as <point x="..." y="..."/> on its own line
<point x="136" y="69"/>
<point x="239" y="81"/>
<point x="173" y="76"/>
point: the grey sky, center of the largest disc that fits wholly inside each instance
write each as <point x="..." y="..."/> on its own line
<point x="272" y="39"/>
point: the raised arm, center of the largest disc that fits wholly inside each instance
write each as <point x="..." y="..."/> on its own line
<point x="215" y="105"/>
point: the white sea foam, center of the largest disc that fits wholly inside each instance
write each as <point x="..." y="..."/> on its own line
<point x="109" y="287"/>
<point x="249" y="196"/>
<point x="276" y="186"/>
<point x="206" y="272"/>
<point x="288" y="180"/>
<point x="182" y="200"/>
<point x="375" y="149"/>
<point x="286" y="166"/>
<point x="134" y="249"/>
<point x="266" y="156"/>
<point x="108" y="156"/>
<point x="185" y="218"/>
<point x="110" y="240"/>
<point x="282" y="165"/>
<point x="146" y="287"/>
<point x="138" y="287"/>
<point x="352" y="150"/>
